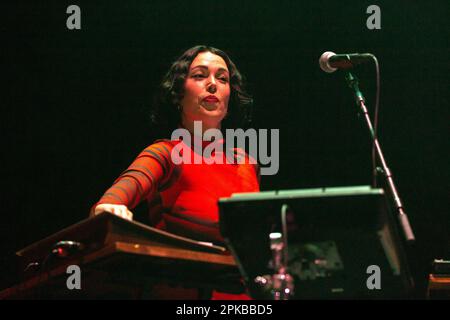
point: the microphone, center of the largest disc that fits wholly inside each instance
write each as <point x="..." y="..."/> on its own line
<point x="330" y="61"/>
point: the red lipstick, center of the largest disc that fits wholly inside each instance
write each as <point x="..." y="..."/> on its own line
<point x="211" y="98"/>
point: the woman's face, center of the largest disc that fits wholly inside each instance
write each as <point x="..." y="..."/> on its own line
<point x="206" y="91"/>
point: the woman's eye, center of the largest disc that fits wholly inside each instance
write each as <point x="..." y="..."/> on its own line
<point x="201" y="76"/>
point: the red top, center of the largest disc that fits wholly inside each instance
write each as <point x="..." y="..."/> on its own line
<point x="182" y="198"/>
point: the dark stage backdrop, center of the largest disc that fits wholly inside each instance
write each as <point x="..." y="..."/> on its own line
<point x="74" y="103"/>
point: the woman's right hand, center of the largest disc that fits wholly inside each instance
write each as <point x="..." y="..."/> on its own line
<point x="117" y="209"/>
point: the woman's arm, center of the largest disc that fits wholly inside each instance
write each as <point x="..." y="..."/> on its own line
<point x="152" y="168"/>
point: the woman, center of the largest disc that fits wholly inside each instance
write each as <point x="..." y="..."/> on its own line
<point x="203" y="84"/>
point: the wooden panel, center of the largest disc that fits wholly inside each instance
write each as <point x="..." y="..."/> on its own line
<point x="127" y="267"/>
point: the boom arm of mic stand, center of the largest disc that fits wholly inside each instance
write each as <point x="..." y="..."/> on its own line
<point x="402" y="217"/>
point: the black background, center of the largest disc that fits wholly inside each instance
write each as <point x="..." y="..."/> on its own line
<point x="75" y="102"/>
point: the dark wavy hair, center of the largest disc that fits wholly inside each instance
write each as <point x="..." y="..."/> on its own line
<point x="165" y="114"/>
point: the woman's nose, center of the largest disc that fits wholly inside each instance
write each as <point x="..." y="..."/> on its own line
<point x="211" y="87"/>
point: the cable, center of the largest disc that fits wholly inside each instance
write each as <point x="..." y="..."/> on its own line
<point x="375" y="122"/>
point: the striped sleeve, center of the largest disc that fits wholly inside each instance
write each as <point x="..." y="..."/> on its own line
<point x="151" y="168"/>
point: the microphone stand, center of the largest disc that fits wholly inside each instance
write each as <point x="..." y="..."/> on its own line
<point x="402" y="217"/>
